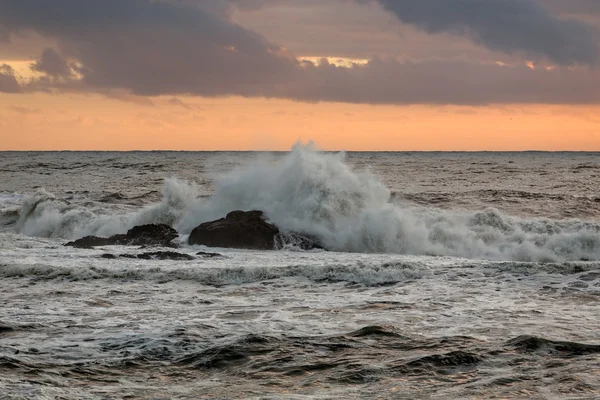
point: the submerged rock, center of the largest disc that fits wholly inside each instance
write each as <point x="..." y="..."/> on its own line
<point x="205" y="254"/>
<point x="155" y="255"/>
<point x="165" y="255"/>
<point x="143" y="235"/>
<point x="247" y="230"/>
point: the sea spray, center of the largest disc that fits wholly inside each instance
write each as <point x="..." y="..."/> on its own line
<point x="319" y="194"/>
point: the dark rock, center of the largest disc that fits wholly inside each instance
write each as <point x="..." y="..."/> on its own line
<point x="165" y="255"/>
<point x="128" y="255"/>
<point x="239" y="229"/>
<point x="5" y="328"/>
<point x="91" y="241"/>
<point x="155" y="255"/>
<point x="208" y="255"/>
<point x="144" y="235"/>
<point x="248" y="230"/>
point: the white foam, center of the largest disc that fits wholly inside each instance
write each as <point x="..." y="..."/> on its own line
<point x="350" y="211"/>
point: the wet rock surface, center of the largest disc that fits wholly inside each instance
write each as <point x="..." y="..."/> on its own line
<point x="155" y="255"/>
<point x="248" y="230"/>
<point x="205" y="254"/>
<point x="239" y="229"/>
<point x="143" y="235"/>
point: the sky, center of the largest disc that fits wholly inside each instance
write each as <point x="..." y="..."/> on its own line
<point x="379" y="75"/>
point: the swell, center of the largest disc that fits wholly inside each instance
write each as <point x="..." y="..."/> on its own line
<point x="370" y="354"/>
<point x="369" y="275"/>
<point x="319" y="194"/>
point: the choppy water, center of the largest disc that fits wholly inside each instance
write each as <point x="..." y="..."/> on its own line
<point x="453" y="275"/>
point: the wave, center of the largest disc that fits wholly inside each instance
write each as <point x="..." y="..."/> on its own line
<point x="320" y="195"/>
<point x="360" y="273"/>
<point x="367" y="355"/>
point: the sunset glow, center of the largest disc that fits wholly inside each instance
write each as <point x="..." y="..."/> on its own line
<point x="372" y="81"/>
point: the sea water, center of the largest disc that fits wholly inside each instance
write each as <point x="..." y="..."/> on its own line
<point x="448" y="275"/>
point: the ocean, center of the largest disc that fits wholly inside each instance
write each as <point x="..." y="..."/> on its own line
<point x="447" y="276"/>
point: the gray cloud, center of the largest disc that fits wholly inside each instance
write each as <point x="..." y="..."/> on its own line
<point x="174" y="101"/>
<point x="8" y="80"/>
<point x="52" y="64"/>
<point x="151" y="47"/>
<point x="573" y="7"/>
<point x="508" y="26"/>
<point x="148" y="47"/>
<point x="446" y="82"/>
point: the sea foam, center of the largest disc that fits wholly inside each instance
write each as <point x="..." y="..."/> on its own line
<point x="319" y="194"/>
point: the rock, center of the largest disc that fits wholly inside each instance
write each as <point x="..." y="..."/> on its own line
<point x="155" y="255"/>
<point x="239" y="229"/>
<point x="165" y="255"/>
<point x="143" y="235"/>
<point x="248" y="230"/>
<point x="91" y="241"/>
<point x="128" y="255"/>
<point x="208" y="255"/>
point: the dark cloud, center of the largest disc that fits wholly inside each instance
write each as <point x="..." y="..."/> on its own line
<point x="174" y="101"/>
<point x="8" y="80"/>
<point x="446" y="82"/>
<point x="508" y="26"/>
<point x="573" y="7"/>
<point x="140" y="48"/>
<point x="52" y="64"/>
<point x="152" y="47"/>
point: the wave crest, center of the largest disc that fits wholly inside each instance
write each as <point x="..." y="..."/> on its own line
<point x="320" y="195"/>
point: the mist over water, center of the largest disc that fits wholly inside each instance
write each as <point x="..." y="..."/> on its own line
<point x="450" y="275"/>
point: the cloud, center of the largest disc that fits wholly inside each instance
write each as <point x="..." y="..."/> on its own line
<point x="577" y="7"/>
<point x="174" y="101"/>
<point x="151" y="47"/>
<point x="388" y="81"/>
<point x="509" y="26"/>
<point x="24" y="110"/>
<point x="8" y="80"/>
<point x="125" y="96"/>
<point x="131" y="49"/>
<point x="52" y="64"/>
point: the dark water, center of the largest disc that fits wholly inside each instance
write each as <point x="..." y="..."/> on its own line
<point x="456" y="275"/>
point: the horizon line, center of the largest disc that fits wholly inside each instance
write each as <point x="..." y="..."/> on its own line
<point x="287" y="151"/>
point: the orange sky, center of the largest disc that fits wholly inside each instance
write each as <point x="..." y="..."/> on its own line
<point x="90" y="122"/>
<point x="88" y="64"/>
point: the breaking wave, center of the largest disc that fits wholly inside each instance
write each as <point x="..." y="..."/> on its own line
<point x="319" y="194"/>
